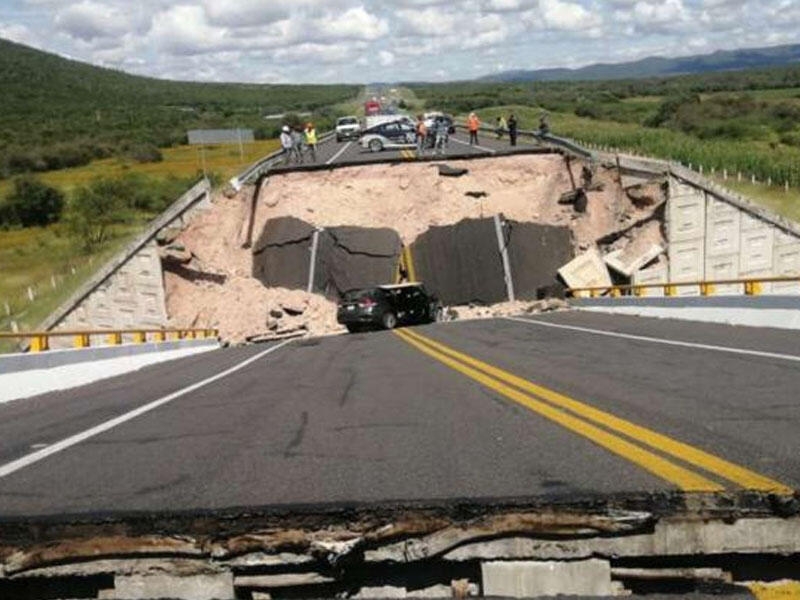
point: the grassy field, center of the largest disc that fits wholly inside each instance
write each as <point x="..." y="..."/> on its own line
<point x="180" y="161"/>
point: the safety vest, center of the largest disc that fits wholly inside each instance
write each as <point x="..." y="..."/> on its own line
<point x="311" y="136"/>
<point x="473" y="123"/>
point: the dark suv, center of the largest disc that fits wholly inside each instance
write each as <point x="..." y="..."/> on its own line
<point x="388" y="306"/>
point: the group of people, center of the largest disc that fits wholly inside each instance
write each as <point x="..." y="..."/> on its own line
<point x="296" y="143"/>
<point x="439" y="133"/>
<point x="509" y="125"/>
<point x="503" y="125"/>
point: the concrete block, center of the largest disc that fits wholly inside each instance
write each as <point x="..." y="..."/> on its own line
<point x="281" y="580"/>
<point x="631" y="259"/>
<point x="686" y="217"/>
<point x="586" y="270"/>
<point x="786" y="261"/>
<point x="687" y="263"/>
<point x="678" y="188"/>
<point x="785" y="238"/>
<point x="757" y="241"/>
<point x="218" y="586"/>
<point x="723" y="267"/>
<point x="723" y="223"/>
<point x="528" y="579"/>
<point x="657" y="274"/>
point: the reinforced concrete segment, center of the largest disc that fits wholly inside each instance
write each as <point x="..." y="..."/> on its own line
<point x="128" y="291"/>
<point x="782" y="312"/>
<point x="25" y="375"/>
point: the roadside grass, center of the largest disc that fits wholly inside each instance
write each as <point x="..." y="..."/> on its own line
<point x="37" y="257"/>
<point x="179" y="161"/>
<point x="775" y="198"/>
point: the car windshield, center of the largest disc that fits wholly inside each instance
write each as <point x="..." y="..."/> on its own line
<point x="356" y="295"/>
<point x="348" y="121"/>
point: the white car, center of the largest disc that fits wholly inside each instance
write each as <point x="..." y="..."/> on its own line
<point x="347" y="128"/>
<point x="397" y="134"/>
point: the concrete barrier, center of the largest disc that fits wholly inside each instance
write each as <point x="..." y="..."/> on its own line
<point x="29" y="374"/>
<point x="782" y="312"/>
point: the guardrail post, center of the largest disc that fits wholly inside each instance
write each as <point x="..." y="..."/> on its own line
<point x="670" y="290"/>
<point x="707" y="289"/>
<point x="752" y="288"/>
<point x="312" y="261"/>
<point x="159" y="336"/>
<point x="114" y="338"/>
<point x="593" y="293"/>
<point x="139" y="337"/>
<point x="40" y="343"/>
<point x="616" y="292"/>
<point x="82" y="340"/>
<point x="639" y="291"/>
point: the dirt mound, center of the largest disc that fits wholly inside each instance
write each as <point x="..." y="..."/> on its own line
<point x="216" y="288"/>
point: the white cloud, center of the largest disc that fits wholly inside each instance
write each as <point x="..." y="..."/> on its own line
<point x="89" y="20"/>
<point x="386" y="58"/>
<point x="183" y="29"/>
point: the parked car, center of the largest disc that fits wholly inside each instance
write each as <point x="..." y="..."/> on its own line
<point x="347" y="128"/>
<point x="388" y="306"/>
<point x="396" y="134"/>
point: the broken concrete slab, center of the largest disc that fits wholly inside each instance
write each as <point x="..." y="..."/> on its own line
<point x="629" y="260"/>
<point x="281" y="580"/>
<point x="530" y="579"/>
<point x="586" y="270"/>
<point x="197" y="587"/>
<point x="652" y="275"/>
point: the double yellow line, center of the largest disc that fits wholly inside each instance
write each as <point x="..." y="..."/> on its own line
<point x="642" y="446"/>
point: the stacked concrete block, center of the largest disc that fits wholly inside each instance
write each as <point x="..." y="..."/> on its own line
<point x="686" y="219"/>
<point x="131" y="297"/>
<point x="756" y="249"/>
<point x="785" y="261"/>
<point x="652" y="275"/>
<point x="722" y="243"/>
<point x="534" y="579"/>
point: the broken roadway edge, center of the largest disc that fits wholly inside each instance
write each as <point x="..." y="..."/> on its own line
<point x="35" y="542"/>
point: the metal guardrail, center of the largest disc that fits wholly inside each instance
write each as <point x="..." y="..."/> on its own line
<point x="40" y="340"/>
<point x="750" y="287"/>
<point x="264" y="164"/>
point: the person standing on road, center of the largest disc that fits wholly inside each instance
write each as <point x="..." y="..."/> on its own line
<point x="287" y="143"/>
<point x="311" y="141"/>
<point x="422" y="136"/>
<point x="512" y="129"/>
<point x="297" y="145"/>
<point x="501" y="127"/>
<point x="473" y="124"/>
<point x="441" y="136"/>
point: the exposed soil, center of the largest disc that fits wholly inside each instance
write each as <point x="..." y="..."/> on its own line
<point x="406" y="197"/>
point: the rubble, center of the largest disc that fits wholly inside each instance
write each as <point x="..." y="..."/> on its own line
<point x="586" y="270"/>
<point x="216" y="288"/>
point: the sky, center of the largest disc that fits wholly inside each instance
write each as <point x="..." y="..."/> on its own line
<point x="359" y="41"/>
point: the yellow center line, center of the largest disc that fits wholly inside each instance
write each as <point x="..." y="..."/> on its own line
<point x="657" y="465"/>
<point x="713" y="464"/>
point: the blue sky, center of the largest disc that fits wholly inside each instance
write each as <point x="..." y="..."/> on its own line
<point x="330" y="41"/>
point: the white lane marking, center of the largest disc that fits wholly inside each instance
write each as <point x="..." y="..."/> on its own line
<point x="339" y="153"/>
<point x="35" y="457"/>
<point x="484" y="148"/>
<point x="643" y="338"/>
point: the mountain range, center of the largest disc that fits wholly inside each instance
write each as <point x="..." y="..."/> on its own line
<point x="657" y="66"/>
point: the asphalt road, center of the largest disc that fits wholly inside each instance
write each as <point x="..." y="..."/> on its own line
<point x="389" y="416"/>
<point x="332" y="152"/>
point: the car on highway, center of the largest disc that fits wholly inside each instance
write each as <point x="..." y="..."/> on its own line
<point x="395" y="134"/>
<point x="432" y="121"/>
<point x="387" y="306"/>
<point x="347" y="128"/>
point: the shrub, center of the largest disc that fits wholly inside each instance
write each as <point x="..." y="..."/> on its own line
<point x="94" y="208"/>
<point x="32" y="203"/>
<point x="145" y="153"/>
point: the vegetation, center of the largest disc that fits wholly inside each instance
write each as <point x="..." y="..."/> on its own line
<point x="31" y="203"/>
<point x="59" y="113"/>
<point x="746" y="121"/>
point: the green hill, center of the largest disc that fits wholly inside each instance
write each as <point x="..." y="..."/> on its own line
<point x="59" y="112"/>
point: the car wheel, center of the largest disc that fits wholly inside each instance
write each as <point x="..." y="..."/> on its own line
<point x="389" y="320"/>
<point x="353" y="328"/>
<point x="375" y="145"/>
<point x="339" y="138"/>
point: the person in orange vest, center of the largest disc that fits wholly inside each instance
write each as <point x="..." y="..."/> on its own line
<point x="473" y="123"/>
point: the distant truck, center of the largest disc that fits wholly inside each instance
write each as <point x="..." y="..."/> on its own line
<point x="372" y="107"/>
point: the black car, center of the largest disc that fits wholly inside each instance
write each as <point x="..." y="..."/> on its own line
<point x="387" y="306"/>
